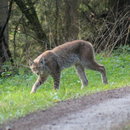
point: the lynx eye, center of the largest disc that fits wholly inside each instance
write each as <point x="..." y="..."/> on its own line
<point x="42" y="62"/>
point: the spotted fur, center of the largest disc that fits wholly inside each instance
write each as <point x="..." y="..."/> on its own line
<point x="78" y="53"/>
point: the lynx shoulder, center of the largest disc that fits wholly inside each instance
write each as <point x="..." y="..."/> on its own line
<point x="78" y="53"/>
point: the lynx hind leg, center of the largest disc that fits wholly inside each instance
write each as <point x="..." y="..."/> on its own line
<point x="95" y="66"/>
<point x="82" y="76"/>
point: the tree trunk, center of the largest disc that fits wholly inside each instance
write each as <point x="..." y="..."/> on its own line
<point x="56" y="22"/>
<point x="71" y="19"/>
<point x="4" y="17"/>
<point x="28" y="10"/>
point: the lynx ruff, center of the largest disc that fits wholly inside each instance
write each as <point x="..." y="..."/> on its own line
<point x="78" y="53"/>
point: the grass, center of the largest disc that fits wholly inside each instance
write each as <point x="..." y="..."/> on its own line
<point x="16" y="101"/>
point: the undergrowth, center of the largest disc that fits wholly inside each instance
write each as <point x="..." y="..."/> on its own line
<point x="16" y="100"/>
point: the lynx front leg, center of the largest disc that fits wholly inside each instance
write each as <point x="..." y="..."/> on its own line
<point x="82" y="76"/>
<point x="56" y="78"/>
<point x="39" y="81"/>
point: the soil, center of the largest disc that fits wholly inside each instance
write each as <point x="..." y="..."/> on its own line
<point x="100" y="111"/>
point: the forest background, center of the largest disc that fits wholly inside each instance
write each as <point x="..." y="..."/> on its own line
<point x="29" y="27"/>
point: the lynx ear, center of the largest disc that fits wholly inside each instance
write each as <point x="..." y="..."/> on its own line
<point x="31" y="62"/>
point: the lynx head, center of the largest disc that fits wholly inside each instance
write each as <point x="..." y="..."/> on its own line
<point x="38" y="67"/>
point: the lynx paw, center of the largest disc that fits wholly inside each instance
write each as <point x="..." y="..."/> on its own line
<point x="82" y="87"/>
<point x="32" y="92"/>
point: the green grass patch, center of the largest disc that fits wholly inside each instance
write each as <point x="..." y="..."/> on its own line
<point x="16" y="101"/>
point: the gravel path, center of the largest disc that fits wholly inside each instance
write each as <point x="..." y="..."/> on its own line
<point x="100" y="111"/>
<point x="98" y="117"/>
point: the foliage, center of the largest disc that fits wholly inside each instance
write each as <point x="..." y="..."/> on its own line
<point x="96" y="21"/>
<point x="123" y="49"/>
<point x="16" y="100"/>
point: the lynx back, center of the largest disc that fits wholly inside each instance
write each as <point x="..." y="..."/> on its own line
<point x="78" y="53"/>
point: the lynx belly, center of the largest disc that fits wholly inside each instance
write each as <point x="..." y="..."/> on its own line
<point x="68" y="60"/>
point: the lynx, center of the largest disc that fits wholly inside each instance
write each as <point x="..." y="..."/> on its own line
<point x="78" y="53"/>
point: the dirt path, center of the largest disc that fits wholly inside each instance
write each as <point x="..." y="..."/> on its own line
<point x="100" y="111"/>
